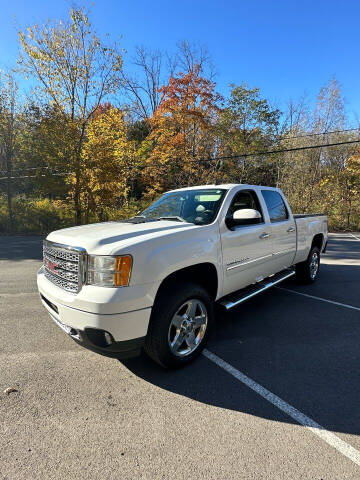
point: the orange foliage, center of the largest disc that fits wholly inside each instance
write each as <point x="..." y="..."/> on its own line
<point x="101" y="109"/>
<point x="182" y="133"/>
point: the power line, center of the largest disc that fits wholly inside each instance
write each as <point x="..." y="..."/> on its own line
<point x="260" y="153"/>
<point x="324" y="133"/>
<point x="270" y="152"/>
<point x="227" y="157"/>
<point x="3" y="172"/>
<point x="37" y="176"/>
<point x="237" y="155"/>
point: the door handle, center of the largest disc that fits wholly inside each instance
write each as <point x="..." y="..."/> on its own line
<point x="290" y="229"/>
<point x="264" y="235"/>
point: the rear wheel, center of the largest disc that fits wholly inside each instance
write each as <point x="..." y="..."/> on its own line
<point x="308" y="271"/>
<point x="180" y="325"/>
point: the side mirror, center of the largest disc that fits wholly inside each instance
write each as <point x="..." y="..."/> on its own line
<point x="245" y="216"/>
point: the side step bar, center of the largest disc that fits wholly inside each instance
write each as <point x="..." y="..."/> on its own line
<point x="241" y="296"/>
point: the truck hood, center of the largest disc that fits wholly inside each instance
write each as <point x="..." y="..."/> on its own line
<point x="108" y="237"/>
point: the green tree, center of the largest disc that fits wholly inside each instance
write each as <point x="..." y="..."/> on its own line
<point x="49" y="139"/>
<point x="247" y="124"/>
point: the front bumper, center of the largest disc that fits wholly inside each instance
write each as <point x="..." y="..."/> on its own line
<point x="126" y="331"/>
<point x="97" y="339"/>
<point x="93" y="340"/>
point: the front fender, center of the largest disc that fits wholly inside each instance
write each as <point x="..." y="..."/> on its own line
<point x="156" y="259"/>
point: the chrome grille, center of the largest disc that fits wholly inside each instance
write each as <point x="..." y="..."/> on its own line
<point x="64" y="265"/>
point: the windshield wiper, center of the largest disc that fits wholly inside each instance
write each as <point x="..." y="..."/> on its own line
<point x="174" y="217"/>
<point x="137" y="219"/>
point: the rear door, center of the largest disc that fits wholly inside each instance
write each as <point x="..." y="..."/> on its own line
<point x="247" y="249"/>
<point x="283" y="230"/>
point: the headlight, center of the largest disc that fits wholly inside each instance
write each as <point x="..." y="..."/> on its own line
<point x="109" y="271"/>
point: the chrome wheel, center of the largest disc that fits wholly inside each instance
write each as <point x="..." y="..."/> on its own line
<point x="314" y="265"/>
<point x="187" y="327"/>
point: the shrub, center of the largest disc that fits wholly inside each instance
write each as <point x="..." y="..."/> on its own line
<point x="41" y="215"/>
<point x="38" y="216"/>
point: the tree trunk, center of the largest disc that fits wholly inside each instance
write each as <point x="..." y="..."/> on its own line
<point x="77" y="199"/>
<point x="348" y="214"/>
<point x="77" y="203"/>
<point x="87" y="209"/>
<point x="9" y="192"/>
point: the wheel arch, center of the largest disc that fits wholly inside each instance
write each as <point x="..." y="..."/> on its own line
<point x="204" y="274"/>
<point x="318" y="241"/>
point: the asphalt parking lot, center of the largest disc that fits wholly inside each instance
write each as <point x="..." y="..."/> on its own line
<point x="77" y="415"/>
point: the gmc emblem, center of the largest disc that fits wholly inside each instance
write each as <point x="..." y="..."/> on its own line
<point x="50" y="265"/>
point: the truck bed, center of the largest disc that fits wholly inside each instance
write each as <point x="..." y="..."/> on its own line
<point x="308" y="225"/>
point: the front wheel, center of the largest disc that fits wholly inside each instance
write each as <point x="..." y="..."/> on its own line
<point x="180" y="325"/>
<point x="308" y="271"/>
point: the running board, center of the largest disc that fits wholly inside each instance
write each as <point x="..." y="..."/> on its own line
<point x="233" y="300"/>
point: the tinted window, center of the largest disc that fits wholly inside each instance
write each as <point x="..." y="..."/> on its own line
<point x="276" y="206"/>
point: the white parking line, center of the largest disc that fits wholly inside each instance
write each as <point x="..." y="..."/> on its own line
<point x="319" y="298"/>
<point x="346" y="235"/>
<point x="329" y="437"/>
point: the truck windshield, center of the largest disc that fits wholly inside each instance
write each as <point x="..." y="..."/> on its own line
<point x="192" y="206"/>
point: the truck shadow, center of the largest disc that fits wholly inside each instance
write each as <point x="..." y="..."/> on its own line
<point x="303" y="350"/>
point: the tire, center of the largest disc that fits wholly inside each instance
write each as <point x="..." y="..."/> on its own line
<point x="307" y="272"/>
<point x="169" y="322"/>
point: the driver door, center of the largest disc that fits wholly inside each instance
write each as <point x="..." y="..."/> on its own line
<point x="247" y="248"/>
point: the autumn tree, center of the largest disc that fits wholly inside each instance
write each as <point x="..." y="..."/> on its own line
<point x="76" y="72"/>
<point x="340" y="191"/>
<point x="302" y="171"/>
<point x="148" y="69"/>
<point x="109" y="162"/>
<point x="295" y="117"/>
<point x="329" y="113"/>
<point x="180" y="146"/>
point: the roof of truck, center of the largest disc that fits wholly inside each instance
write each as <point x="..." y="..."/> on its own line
<point x="224" y="186"/>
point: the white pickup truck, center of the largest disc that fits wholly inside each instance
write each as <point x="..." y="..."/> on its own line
<point x="152" y="281"/>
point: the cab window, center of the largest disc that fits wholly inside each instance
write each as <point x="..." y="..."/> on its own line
<point x="275" y="205"/>
<point x="244" y="199"/>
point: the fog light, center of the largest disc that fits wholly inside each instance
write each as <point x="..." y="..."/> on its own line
<point x="108" y="338"/>
<point x="74" y="334"/>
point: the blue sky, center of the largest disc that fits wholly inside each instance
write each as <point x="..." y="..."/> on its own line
<point x="285" y="48"/>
